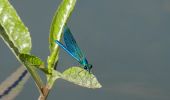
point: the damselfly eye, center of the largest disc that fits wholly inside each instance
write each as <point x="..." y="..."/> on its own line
<point x="85" y="67"/>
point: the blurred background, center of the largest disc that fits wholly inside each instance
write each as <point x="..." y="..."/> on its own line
<point x="127" y="41"/>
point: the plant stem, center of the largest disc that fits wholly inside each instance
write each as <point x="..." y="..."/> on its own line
<point x="44" y="94"/>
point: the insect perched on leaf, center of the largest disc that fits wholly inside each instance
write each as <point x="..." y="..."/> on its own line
<point x="72" y="48"/>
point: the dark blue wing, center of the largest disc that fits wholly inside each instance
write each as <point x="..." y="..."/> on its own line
<point x="72" y="45"/>
<point x="65" y="48"/>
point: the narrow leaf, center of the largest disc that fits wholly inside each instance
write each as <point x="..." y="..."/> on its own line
<point x="31" y="60"/>
<point x="30" y="63"/>
<point x="59" y="20"/>
<point x="12" y="30"/>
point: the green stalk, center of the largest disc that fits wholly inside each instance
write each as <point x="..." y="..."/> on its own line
<point x="59" y="20"/>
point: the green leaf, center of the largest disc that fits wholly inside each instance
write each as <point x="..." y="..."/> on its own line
<point x="59" y="20"/>
<point x="80" y="77"/>
<point x="34" y="61"/>
<point x="31" y="62"/>
<point x="12" y="30"/>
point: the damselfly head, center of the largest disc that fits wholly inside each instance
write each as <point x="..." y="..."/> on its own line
<point x="88" y="67"/>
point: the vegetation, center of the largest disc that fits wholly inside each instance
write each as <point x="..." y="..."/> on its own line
<point x="16" y="35"/>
